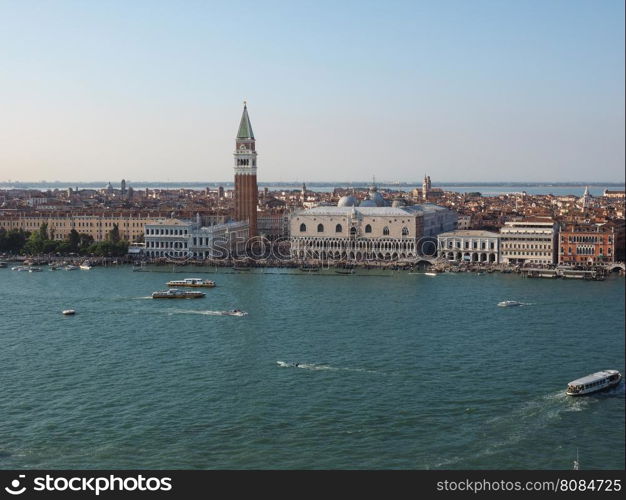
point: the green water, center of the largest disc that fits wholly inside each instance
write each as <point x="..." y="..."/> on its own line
<point x="395" y="371"/>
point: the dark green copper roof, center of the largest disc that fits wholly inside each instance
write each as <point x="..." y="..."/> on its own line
<point x="245" y="128"/>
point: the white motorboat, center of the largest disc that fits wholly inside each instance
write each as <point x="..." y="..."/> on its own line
<point x="509" y="303"/>
<point x="86" y="265"/>
<point x="69" y="312"/>
<point x="234" y="312"/>
<point x="595" y="382"/>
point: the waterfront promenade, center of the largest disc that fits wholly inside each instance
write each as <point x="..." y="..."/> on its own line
<point x="432" y="264"/>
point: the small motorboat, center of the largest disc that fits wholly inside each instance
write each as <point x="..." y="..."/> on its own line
<point x="34" y="269"/>
<point x="430" y="274"/>
<point x="510" y="303"/>
<point x="234" y="312"/>
<point x="69" y="312"/>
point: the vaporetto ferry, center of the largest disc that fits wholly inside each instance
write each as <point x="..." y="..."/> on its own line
<point x="174" y="293"/>
<point x="192" y="282"/>
<point x="595" y="382"/>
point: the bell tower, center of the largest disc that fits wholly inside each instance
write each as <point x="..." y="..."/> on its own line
<point x="246" y="190"/>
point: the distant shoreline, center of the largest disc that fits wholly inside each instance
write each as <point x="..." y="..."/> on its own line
<point x="202" y="185"/>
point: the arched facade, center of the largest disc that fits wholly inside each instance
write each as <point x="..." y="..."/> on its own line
<point x="364" y="233"/>
<point x="469" y="246"/>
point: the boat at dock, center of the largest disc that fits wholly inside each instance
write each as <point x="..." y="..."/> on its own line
<point x="3" y="265"/>
<point x="309" y="269"/>
<point x="595" y="382"/>
<point x="430" y="274"/>
<point x="241" y="268"/>
<point x="86" y="265"/>
<point x="346" y="269"/>
<point x="174" y="293"/>
<point x="192" y="282"/>
<point x="70" y="267"/>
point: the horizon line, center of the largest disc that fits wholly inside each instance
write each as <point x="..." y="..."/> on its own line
<point x="311" y="182"/>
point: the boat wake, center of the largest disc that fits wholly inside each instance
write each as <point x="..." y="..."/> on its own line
<point x="209" y="313"/>
<point x="316" y="367"/>
<point x="500" y="434"/>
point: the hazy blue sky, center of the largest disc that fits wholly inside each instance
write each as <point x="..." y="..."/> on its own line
<point x="340" y="90"/>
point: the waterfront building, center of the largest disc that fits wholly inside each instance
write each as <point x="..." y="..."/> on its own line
<point x="532" y="240"/>
<point x="367" y="233"/>
<point x="130" y="225"/>
<point x="246" y="189"/>
<point x="588" y="243"/>
<point x="469" y="246"/>
<point x="219" y="241"/>
<point x="177" y="238"/>
<point x="168" y="237"/>
<point x="614" y="194"/>
<point x="273" y="225"/>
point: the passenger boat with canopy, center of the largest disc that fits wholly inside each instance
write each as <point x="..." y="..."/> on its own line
<point x="174" y="293"/>
<point x="595" y="382"/>
<point x="192" y="282"/>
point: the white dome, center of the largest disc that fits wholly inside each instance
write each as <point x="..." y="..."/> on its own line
<point x="347" y="201"/>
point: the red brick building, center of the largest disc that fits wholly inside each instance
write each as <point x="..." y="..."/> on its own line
<point x="589" y="243"/>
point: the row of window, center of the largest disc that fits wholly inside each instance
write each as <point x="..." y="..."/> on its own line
<point x="167" y="232"/>
<point x="244" y="162"/>
<point x="353" y="230"/>
<point x="483" y="245"/>
<point x="527" y="252"/>
<point x="526" y="245"/>
<point x="586" y="251"/>
<point x="585" y="239"/>
<point x="166" y="244"/>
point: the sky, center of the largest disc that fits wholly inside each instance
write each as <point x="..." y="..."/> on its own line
<point x="464" y="91"/>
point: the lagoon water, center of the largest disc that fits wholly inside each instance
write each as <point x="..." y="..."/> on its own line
<point x="395" y="371"/>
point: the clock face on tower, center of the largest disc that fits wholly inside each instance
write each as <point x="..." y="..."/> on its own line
<point x="242" y="147"/>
